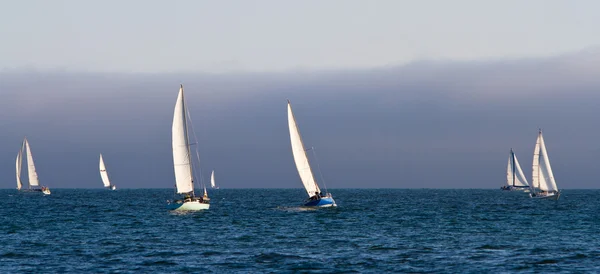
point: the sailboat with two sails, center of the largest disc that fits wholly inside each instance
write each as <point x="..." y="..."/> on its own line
<point x="543" y="184"/>
<point x="104" y="175"/>
<point x="316" y="197"/>
<point x="34" y="181"/>
<point x="515" y="179"/>
<point x="182" y="162"/>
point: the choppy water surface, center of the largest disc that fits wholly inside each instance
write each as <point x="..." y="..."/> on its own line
<point x="381" y="230"/>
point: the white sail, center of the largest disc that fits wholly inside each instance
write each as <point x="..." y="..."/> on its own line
<point x="181" y="151"/>
<point x="19" y="163"/>
<point x="300" y="157"/>
<point x="33" y="177"/>
<point x="514" y="173"/>
<point x="542" y="176"/>
<point x="103" y="173"/>
<point x="212" y="179"/>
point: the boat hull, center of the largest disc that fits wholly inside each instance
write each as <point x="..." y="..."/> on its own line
<point x="323" y="202"/>
<point x="188" y="206"/>
<point x="46" y="191"/>
<point x="113" y="187"/>
<point x="552" y="196"/>
<point x="513" y="188"/>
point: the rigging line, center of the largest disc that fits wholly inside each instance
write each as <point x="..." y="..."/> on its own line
<point x="189" y="117"/>
<point x="319" y="168"/>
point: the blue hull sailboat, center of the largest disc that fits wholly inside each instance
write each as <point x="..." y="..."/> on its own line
<point x="316" y="197"/>
<point x="515" y="179"/>
<point x="182" y="162"/>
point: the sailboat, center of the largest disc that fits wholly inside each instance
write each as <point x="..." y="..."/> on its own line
<point x="543" y="184"/>
<point x="182" y="162"/>
<point x="212" y="180"/>
<point x="316" y="197"/>
<point x="34" y="182"/>
<point x="104" y="175"/>
<point x="515" y="179"/>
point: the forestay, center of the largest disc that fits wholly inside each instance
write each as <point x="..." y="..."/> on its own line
<point x="300" y="157"/>
<point x="181" y="152"/>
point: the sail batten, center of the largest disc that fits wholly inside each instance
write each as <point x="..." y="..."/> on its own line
<point x="104" y="173"/>
<point x="300" y="158"/>
<point x="181" y="152"/>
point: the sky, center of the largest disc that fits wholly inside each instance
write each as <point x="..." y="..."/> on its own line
<point x="271" y="35"/>
<point x="393" y="94"/>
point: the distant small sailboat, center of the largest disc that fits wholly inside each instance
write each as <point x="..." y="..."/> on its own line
<point x="543" y="184"/>
<point x="34" y="182"/>
<point x="182" y="162"/>
<point x="316" y="197"/>
<point x="212" y="180"/>
<point x="104" y="175"/>
<point x="515" y="179"/>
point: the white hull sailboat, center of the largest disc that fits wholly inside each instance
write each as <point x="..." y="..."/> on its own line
<point x="182" y="162"/>
<point x="212" y="180"/>
<point x="316" y="197"/>
<point x="34" y="182"/>
<point x="104" y="175"/>
<point x="515" y="179"/>
<point x="543" y="185"/>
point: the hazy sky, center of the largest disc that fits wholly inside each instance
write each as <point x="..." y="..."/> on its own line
<point x="427" y="124"/>
<point x="217" y="36"/>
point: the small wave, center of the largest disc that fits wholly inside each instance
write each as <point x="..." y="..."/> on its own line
<point x="272" y="257"/>
<point x="13" y="255"/>
<point x="579" y="256"/>
<point x="211" y="253"/>
<point x="160" y="262"/>
<point x="547" y="261"/>
<point x="491" y="247"/>
<point x="380" y="247"/>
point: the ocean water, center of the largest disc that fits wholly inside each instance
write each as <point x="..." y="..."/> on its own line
<point x="264" y="230"/>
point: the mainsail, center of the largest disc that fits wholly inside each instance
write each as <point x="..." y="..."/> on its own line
<point x="300" y="157"/>
<point x="33" y="177"/>
<point x="181" y="148"/>
<point x="103" y="173"/>
<point x="514" y="173"/>
<point x="542" y="176"/>
<point x="212" y="179"/>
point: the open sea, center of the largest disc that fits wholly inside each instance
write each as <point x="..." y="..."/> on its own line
<point x="265" y="230"/>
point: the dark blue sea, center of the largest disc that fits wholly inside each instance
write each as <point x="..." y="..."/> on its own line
<point x="264" y="230"/>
